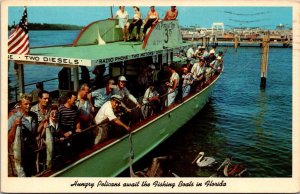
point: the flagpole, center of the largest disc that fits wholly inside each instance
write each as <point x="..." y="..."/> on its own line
<point x="111" y="12"/>
<point x="18" y="44"/>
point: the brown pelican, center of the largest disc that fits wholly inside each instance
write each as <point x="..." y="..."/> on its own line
<point x="156" y="169"/>
<point x="231" y="170"/>
<point x="204" y="162"/>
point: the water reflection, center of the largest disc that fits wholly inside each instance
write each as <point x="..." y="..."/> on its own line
<point x="259" y="119"/>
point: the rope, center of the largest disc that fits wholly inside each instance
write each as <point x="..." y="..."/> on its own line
<point x="132" y="174"/>
<point x="131" y="152"/>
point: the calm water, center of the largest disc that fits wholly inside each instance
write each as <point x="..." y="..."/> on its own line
<point x="240" y="120"/>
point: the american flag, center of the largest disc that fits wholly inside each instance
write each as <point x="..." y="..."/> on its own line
<point x="18" y="41"/>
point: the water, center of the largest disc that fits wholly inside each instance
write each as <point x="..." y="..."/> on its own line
<point x="240" y="120"/>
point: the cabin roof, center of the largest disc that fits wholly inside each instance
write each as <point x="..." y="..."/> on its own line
<point x="90" y="55"/>
<point x="100" y="43"/>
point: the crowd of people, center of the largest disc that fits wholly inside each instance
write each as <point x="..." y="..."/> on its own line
<point x="137" y="21"/>
<point x="85" y="118"/>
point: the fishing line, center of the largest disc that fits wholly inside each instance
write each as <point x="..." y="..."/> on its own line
<point x="246" y="14"/>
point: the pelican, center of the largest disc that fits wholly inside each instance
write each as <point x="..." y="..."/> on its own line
<point x="230" y="169"/>
<point x="204" y="162"/>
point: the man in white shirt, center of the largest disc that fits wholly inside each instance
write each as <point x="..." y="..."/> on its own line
<point x="105" y="115"/>
<point x="172" y="85"/>
<point x="198" y="73"/>
<point x="151" y="97"/>
<point x="190" y="52"/>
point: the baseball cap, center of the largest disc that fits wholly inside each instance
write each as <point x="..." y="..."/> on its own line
<point x="152" y="67"/>
<point x="116" y="97"/>
<point x="122" y="78"/>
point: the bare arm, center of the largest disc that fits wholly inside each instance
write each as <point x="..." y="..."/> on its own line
<point x="12" y="133"/>
<point x="120" y="123"/>
<point x="166" y="16"/>
<point x="157" y="17"/>
<point x="175" y="83"/>
<point x="176" y="14"/>
<point x="78" y="127"/>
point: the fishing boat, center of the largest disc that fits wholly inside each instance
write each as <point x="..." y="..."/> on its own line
<point x="101" y="43"/>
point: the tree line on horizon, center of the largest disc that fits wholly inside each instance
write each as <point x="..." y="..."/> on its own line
<point x="45" y="26"/>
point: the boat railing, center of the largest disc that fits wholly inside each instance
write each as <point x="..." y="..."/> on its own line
<point x="14" y="90"/>
<point x="42" y="148"/>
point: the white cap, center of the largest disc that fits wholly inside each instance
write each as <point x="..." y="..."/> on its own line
<point x="116" y="97"/>
<point x="152" y="67"/>
<point x="212" y="52"/>
<point x="122" y="78"/>
<point x="199" y="47"/>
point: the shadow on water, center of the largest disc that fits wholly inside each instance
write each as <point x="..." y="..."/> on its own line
<point x="199" y="134"/>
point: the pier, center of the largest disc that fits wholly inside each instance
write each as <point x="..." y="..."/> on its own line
<point x="245" y="38"/>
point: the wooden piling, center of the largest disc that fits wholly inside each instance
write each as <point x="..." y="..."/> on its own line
<point x="204" y="41"/>
<point x="236" y="42"/>
<point x="264" y="61"/>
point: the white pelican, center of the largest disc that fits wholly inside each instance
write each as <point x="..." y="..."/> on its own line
<point x="204" y="162"/>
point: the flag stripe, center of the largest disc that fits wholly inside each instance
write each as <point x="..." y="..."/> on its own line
<point x="20" y="45"/>
<point x="18" y="41"/>
<point x="23" y="49"/>
<point x="16" y="34"/>
<point x="13" y="34"/>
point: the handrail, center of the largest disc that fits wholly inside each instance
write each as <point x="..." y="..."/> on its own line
<point x="15" y="88"/>
<point x="211" y="78"/>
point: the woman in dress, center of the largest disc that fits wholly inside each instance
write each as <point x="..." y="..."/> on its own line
<point x="137" y="21"/>
<point x="122" y="15"/>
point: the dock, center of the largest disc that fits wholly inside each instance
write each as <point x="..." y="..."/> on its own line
<point x="244" y="38"/>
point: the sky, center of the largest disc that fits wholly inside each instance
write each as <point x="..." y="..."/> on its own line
<point x="232" y="17"/>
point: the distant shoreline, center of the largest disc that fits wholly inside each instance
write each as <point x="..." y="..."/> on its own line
<point x="45" y="26"/>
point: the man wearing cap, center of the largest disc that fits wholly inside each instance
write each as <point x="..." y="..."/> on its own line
<point x="216" y="65"/>
<point x="210" y="58"/>
<point x="105" y="115"/>
<point x="201" y="52"/>
<point x="150" y="101"/>
<point x="123" y="91"/>
<point x="198" y="74"/>
<point x="152" y="73"/>
<point x="190" y="53"/>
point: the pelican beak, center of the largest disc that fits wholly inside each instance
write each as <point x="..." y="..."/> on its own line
<point x="226" y="162"/>
<point x="197" y="157"/>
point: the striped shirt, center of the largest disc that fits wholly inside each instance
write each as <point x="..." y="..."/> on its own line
<point x="67" y="118"/>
